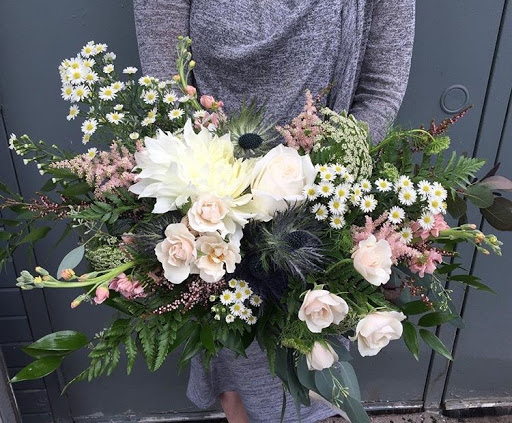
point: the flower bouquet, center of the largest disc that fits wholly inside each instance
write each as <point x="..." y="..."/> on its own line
<point x="207" y="231"/>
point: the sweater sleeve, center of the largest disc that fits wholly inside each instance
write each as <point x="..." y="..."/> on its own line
<point x="386" y="65"/>
<point x="158" y="24"/>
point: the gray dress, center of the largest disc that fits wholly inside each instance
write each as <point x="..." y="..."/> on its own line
<point x="274" y="50"/>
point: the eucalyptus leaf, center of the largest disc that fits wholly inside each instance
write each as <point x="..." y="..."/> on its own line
<point x="499" y="214"/>
<point x="480" y="195"/>
<point x="71" y="259"/>
<point x="457" y="207"/>
<point x="498" y="183"/>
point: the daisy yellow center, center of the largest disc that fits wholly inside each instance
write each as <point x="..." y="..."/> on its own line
<point x="226" y="297"/>
<point x="395" y="215"/>
<point x="242" y="284"/>
<point x="407" y="195"/>
<point x="325" y="188"/>
<point x="435" y="203"/>
<point x="427" y="219"/>
<point x="320" y="212"/>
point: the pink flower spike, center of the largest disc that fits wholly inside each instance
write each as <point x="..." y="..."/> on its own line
<point x="425" y="263"/>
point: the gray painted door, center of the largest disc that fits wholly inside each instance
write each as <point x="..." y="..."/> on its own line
<point x="460" y="44"/>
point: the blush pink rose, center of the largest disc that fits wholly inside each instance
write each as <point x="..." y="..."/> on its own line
<point x="320" y="309"/>
<point x="207" y="101"/>
<point x="372" y="259"/>
<point x="322" y="356"/>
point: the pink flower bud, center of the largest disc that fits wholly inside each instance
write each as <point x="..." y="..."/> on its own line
<point x="191" y="91"/>
<point x="67" y="274"/>
<point x="102" y="293"/>
<point x="207" y="101"/>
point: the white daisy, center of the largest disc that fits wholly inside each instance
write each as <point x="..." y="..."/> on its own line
<point x="111" y="56"/>
<point x="368" y="203"/>
<point x="117" y="86"/>
<point x="245" y="313"/>
<point x="427" y="221"/>
<point x="86" y="138"/>
<point x="100" y="48"/>
<point x="328" y="175"/>
<point x="89" y="63"/>
<point x="407" y="196"/>
<point x="152" y="114"/>
<point x="320" y="211"/>
<point x="321" y="168"/>
<point x="227" y="297"/>
<point x="252" y="320"/>
<point x="337" y="222"/>
<point x="239" y="296"/>
<point x="171" y="98"/>
<point x="145" y="81"/>
<point x="439" y="191"/>
<point x="75" y="63"/>
<point x="383" y="185"/>
<point x="115" y="117"/>
<point x="337" y="206"/>
<point x="242" y="284"/>
<point x="175" y="114"/>
<point x="342" y="191"/>
<point x="246" y="291"/>
<point x="147" y="121"/>
<point x="406" y="235"/>
<point x="230" y="318"/>
<point x="91" y="153"/>
<point x="108" y="68"/>
<point x="356" y="190"/>
<point x="339" y="169"/>
<point x="404" y="182"/>
<point x="89" y="126"/>
<point x="76" y="75"/>
<point x="149" y="96"/>
<point x="80" y="93"/>
<point x="347" y="177"/>
<point x="435" y="205"/>
<point x="236" y="309"/>
<point x="130" y="70"/>
<point x="88" y="50"/>
<point x="354" y="199"/>
<point x="325" y="188"/>
<point x="366" y="185"/>
<point x="396" y="215"/>
<point x="118" y="107"/>
<point x="91" y="77"/>
<point x="107" y="93"/>
<point x="199" y="114"/>
<point x="233" y="283"/>
<point x="134" y="136"/>
<point x="310" y="192"/>
<point x="73" y="112"/>
<point x="255" y="300"/>
<point x="67" y="92"/>
<point x="424" y="188"/>
<point x="184" y="99"/>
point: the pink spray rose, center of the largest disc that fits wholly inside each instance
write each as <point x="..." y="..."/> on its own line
<point x="426" y="262"/>
<point x="102" y="293"/>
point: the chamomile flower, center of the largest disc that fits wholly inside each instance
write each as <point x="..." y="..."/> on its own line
<point x="175" y="114"/>
<point x="152" y="114"/>
<point x="110" y="56"/>
<point x="241" y="284"/>
<point x="325" y="188"/>
<point x="337" y="206"/>
<point x="80" y="93"/>
<point x="86" y="138"/>
<point x="427" y="221"/>
<point x="118" y="107"/>
<point x="236" y="309"/>
<point x="107" y="93"/>
<point x="117" y="86"/>
<point x="435" y="205"/>
<point x="347" y="177"/>
<point x="404" y="182"/>
<point x="230" y="318"/>
<point x="73" y="112"/>
<point x="130" y="70"/>
<point x="310" y="192"/>
<point x="407" y="196"/>
<point x="342" y="192"/>
<point x="337" y="222"/>
<point x="227" y="297"/>
<point x="88" y="50"/>
<point x="89" y="126"/>
<point x="239" y="296"/>
<point x="108" y="68"/>
<point x="184" y="99"/>
<point x="199" y="114"/>
<point x="368" y="203"/>
<point x="320" y="211"/>
<point x="75" y="63"/>
<point x="366" y="185"/>
<point x="76" y="75"/>
<point x="233" y="283"/>
<point x="134" y="136"/>
<point x="424" y="188"/>
<point x="149" y="96"/>
<point x="100" y="48"/>
<point x="339" y="169"/>
<point x="406" y="235"/>
<point x="356" y="190"/>
<point x="321" y="168"/>
<point x="145" y="80"/>
<point x="89" y="63"/>
<point x="245" y="313"/>
<point x="383" y="185"/>
<point x="396" y="215"/>
<point x="255" y="300"/>
<point x="355" y="200"/>
<point x="252" y="320"/>
<point x="438" y="191"/>
<point x="91" y="77"/>
<point x="91" y="153"/>
<point x="147" y="121"/>
<point x="327" y="175"/>
<point x="115" y="117"/>
<point x="246" y="291"/>
<point x="170" y="98"/>
<point x="67" y="92"/>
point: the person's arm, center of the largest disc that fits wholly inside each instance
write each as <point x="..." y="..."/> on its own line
<point x="386" y="65"/>
<point x="158" y="24"/>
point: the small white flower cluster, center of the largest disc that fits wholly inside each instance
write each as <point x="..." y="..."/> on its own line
<point x="236" y="302"/>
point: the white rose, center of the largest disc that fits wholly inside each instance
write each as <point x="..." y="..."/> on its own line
<point x="372" y="260"/>
<point x="376" y="330"/>
<point x="320" y="309"/>
<point x="176" y="252"/>
<point x="217" y="257"/>
<point x="280" y="177"/>
<point x="322" y="356"/>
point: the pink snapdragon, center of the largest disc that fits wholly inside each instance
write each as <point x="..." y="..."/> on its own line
<point x="128" y="288"/>
<point x="439" y="225"/>
<point x="426" y="262"/>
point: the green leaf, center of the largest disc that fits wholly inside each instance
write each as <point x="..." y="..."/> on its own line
<point x="457" y="207"/>
<point x="299" y="393"/>
<point x="71" y="259"/>
<point x="131" y="353"/>
<point x="435" y="319"/>
<point x="411" y="339"/>
<point x="76" y="189"/>
<point x="61" y="341"/>
<point x="206" y="337"/>
<point x="472" y="281"/>
<point x="435" y="343"/>
<point x="499" y="214"/>
<point x="340" y="349"/>
<point x="480" y="195"/>
<point x="183" y="334"/>
<point x="37" y="369"/>
<point x="355" y="411"/>
<point x="5" y="236"/>
<point x="497" y="183"/>
<point x="447" y="268"/>
<point x="306" y="376"/>
<point x="415" y="307"/>
<point x="49" y="186"/>
<point x="36" y="353"/>
<point x="192" y="348"/>
<point x="36" y="234"/>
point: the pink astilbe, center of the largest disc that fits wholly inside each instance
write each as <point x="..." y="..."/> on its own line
<point x="304" y="129"/>
<point x="381" y="228"/>
<point x="106" y="172"/>
<point x="128" y="287"/>
<point x="439" y="225"/>
<point x="426" y="262"/>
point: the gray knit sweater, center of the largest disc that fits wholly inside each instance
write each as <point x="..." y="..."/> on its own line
<point x="274" y="50"/>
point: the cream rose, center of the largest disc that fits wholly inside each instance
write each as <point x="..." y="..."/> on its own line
<point x="279" y="178"/>
<point x="372" y="260"/>
<point x="217" y="257"/>
<point x="322" y="356"/>
<point x="374" y="331"/>
<point x="320" y="309"/>
<point x="176" y="252"/>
